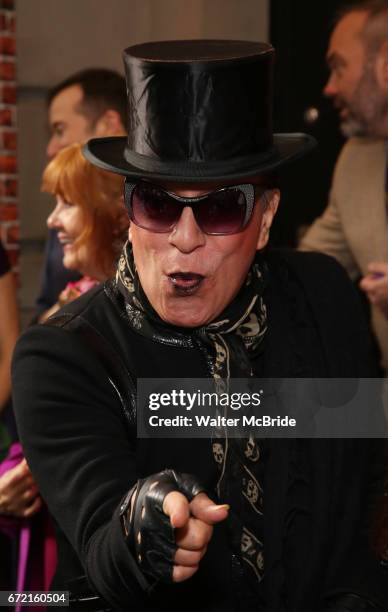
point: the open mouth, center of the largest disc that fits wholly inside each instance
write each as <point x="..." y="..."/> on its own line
<point x="186" y="283"/>
<point x="65" y="242"/>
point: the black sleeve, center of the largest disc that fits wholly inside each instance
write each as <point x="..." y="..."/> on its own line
<point x="75" y="439"/>
<point x="4" y="263"/>
<point x="339" y="316"/>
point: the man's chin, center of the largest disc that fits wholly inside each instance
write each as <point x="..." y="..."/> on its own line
<point x="352" y="128"/>
<point x="186" y="312"/>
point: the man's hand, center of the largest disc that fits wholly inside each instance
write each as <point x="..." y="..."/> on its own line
<point x="194" y="527"/>
<point x="169" y="524"/>
<point x="375" y="285"/>
<point x="19" y="495"/>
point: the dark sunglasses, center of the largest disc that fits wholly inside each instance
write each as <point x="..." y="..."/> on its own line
<point x="218" y="213"/>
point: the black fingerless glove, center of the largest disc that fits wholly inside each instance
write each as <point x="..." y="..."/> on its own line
<point x="149" y="531"/>
<point x="350" y="602"/>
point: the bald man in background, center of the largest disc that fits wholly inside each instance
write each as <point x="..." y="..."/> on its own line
<point x="354" y="226"/>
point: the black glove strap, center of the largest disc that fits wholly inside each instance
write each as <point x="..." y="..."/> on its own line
<point x="148" y="529"/>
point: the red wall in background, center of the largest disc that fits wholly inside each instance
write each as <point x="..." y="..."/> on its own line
<point x="9" y="218"/>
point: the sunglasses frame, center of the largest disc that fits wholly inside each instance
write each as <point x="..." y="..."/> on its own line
<point x="248" y="189"/>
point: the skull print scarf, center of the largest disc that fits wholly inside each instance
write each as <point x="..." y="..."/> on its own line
<point x="228" y="343"/>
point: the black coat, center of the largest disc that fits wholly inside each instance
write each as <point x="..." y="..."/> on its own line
<point x="80" y="441"/>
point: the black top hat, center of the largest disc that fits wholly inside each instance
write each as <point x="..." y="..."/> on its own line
<point x="199" y="110"/>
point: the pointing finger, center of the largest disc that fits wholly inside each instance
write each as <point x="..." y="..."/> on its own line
<point x="203" y="508"/>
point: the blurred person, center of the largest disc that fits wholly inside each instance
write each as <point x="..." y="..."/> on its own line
<point x="89" y="218"/>
<point x="375" y="285"/>
<point x="18" y="494"/>
<point x="9" y="326"/>
<point x="89" y="103"/>
<point x="220" y="523"/>
<point x="17" y="501"/>
<point x="354" y="226"/>
<point x="21" y="499"/>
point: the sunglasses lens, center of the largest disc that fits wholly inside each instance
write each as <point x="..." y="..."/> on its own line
<point x="219" y="212"/>
<point x="222" y="212"/>
<point x="154" y="209"/>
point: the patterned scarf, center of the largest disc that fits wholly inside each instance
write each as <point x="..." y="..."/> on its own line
<point x="228" y="345"/>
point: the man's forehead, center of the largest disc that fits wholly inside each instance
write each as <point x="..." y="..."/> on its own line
<point x="66" y="100"/>
<point x="347" y="33"/>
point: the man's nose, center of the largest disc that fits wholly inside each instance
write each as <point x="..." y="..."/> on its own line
<point x="330" y="90"/>
<point x="187" y="235"/>
<point x="53" y="147"/>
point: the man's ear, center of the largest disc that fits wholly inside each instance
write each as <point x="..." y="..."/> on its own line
<point x="130" y="232"/>
<point x="109" y="124"/>
<point x="270" y="202"/>
<point x="381" y="67"/>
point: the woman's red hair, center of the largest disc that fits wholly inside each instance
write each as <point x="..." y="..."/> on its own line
<point x="99" y="194"/>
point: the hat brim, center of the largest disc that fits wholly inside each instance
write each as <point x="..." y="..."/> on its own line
<point x="108" y="154"/>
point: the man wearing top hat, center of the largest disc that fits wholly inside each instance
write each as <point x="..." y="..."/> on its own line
<point x="236" y="524"/>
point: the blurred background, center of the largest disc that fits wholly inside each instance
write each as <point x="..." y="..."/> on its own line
<point x="44" y="41"/>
